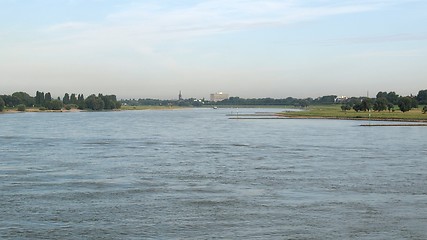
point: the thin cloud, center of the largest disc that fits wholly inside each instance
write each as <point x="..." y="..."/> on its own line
<point x="142" y="27"/>
<point x="156" y="21"/>
<point x="396" y="53"/>
<point x="398" y="37"/>
<point x="212" y="17"/>
<point x="69" y="26"/>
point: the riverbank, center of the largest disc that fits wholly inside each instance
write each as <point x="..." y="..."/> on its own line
<point x="335" y="112"/>
<point x="38" y="110"/>
<point x="123" y="108"/>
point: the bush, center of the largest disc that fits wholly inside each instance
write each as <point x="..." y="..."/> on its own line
<point x="425" y="109"/>
<point x="345" y="107"/>
<point x="71" y="106"/>
<point x="54" y="105"/>
<point x="22" y="107"/>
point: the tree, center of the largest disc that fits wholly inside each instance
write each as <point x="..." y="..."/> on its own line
<point x="390" y="107"/>
<point x="39" y="99"/>
<point x="81" y="102"/>
<point x="47" y="97"/>
<point x="73" y="99"/>
<point x="357" y="107"/>
<point x="304" y="103"/>
<point x="392" y="97"/>
<point x="346" y="107"/>
<point x="24" y="98"/>
<point x="405" y="104"/>
<point x="366" y="104"/>
<point x="66" y="99"/>
<point x="110" y="101"/>
<point x="10" y="101"/>
<point x="422" y="96"/>
<point x="1" y="104"/>
<point x="380" y="104"/>
<point x="414" y="102"/>
<point x="424" y="109"/>
<point x="327" y="99"/>
<point x="381" y="95"/>
<point x="94" y="103"/>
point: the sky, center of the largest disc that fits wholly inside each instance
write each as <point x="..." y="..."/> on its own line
<point x="246" y="48"/>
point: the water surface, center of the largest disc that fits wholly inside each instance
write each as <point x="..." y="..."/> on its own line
<point x="195" y="174"/>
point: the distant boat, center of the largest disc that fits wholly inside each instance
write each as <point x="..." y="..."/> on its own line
<point x="215" y="107"/>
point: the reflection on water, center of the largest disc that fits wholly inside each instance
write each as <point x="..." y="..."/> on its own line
<point x="196" y="174"/>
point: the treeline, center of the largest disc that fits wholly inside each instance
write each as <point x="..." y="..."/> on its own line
<point x="386" y="101"/>
<point x="44" y="101"/>
<point x="191" y="102"/>
<point x="383" y="101"/>
<point x="264" y="101"/>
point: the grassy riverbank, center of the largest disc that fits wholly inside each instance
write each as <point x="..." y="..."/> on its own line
<point x="335" y="112"/>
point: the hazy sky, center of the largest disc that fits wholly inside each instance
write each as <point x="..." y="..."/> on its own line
<point x="247" y="48"/>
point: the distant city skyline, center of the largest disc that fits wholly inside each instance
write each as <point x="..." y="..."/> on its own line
<point x="246" y="48"/>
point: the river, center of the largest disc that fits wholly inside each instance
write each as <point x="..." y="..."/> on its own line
<point x="196" y="174"/>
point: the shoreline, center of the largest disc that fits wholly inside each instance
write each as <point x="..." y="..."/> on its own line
<point x="280" y="115"/>
<point x="398" y="122"/>
<point x="31" y="110"/>
<point x="334" y="118"/>
<point x="334" y="112"/>
<point x="144" y="108"/>
<point x="357" y="118"/>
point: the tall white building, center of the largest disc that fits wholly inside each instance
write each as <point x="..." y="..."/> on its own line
<point x="219" y="96"/>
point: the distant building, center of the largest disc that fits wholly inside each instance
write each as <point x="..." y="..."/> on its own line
<point x="341" y="99"/>
<point x="219" y="96"/>
<point x="180" y="95"/>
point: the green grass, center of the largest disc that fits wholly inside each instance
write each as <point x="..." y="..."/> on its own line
<point x="334" y="111"/>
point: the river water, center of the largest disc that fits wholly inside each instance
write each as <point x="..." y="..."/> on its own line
<point x="196" y="174"/>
